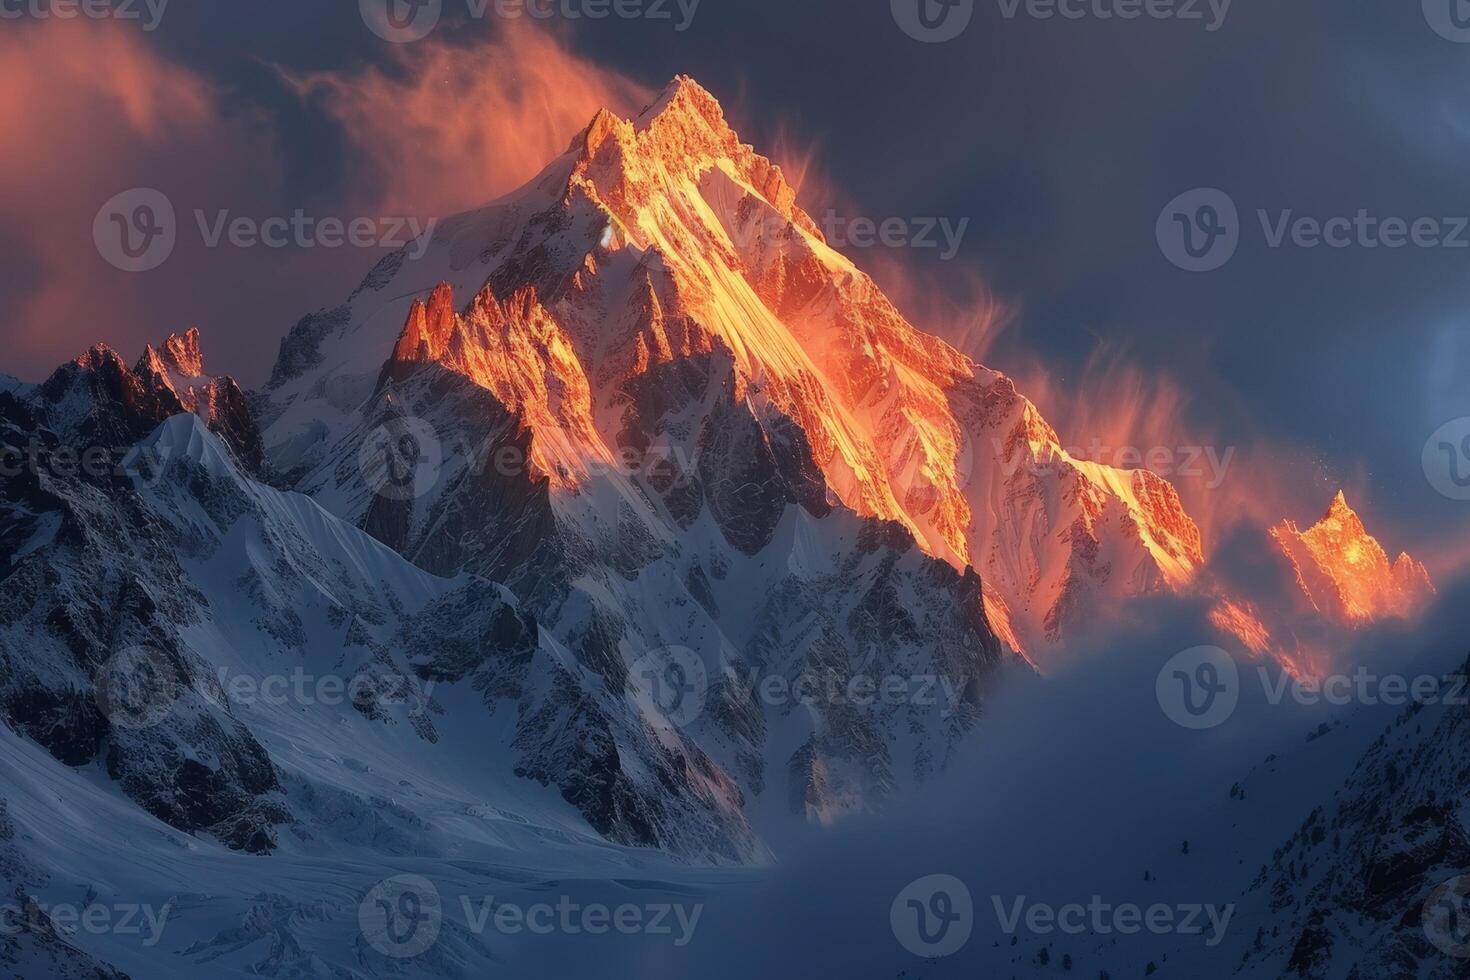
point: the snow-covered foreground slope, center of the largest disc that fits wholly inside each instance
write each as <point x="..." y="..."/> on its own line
<point x="165" y="904"/>
<point x="229" y="715"/>
<point x="250" y="677"/>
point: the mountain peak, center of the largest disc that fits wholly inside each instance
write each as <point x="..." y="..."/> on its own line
<point x="1341" y="521"/>
<point x="1345" y="571"/>
<point x="426" y="332"/>
<point x="683" y="96"/>
<point x="682" y="135"/>
<point x="182" y="353"/>
<point x="684" y="106"/>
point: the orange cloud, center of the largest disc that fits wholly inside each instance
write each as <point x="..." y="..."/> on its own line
<point x="456" y="126"/>
<point x="88" y="112"/>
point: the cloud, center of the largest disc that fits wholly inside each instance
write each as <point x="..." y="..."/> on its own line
<point x="448" y="127"/>
<point x="436" y="129"/>
<point x="89" y="112"/>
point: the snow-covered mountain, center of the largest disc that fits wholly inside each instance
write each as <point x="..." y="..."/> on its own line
<point x="202" y="670"/>
<point x="1346" y="574"/>
<point x="660" y="245"/>
<point x="1373" y="883"/>
<point x="1325" y="584"/>
<point x="627" y="527"/>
